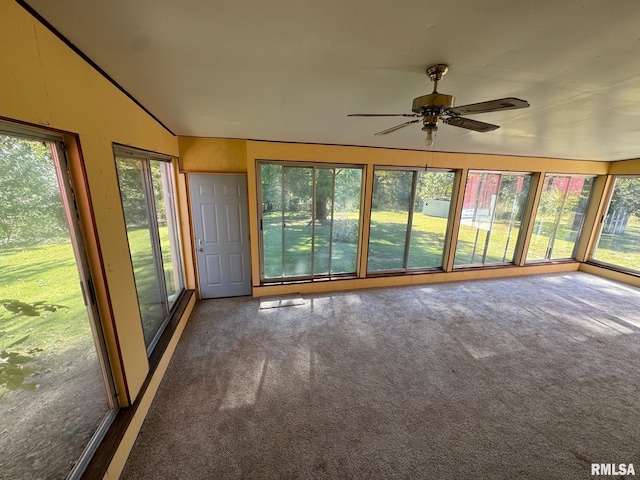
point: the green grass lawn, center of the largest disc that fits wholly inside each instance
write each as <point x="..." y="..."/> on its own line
<point x="297" y="242"/>
<point x="388" y="235"/>
<point x="39" y="273"/>
<point x="48" y="273"/>
<point x="42" y="273"/>
<point x="622" y="249"/>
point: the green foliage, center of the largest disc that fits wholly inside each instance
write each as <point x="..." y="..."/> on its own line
<point x="625" y="203"/>
<point x="511" y="201"/>
<point x="132" y="192"/>
<point x="29" y="193"/>
<point x="626" y="197"/>
<point x="392" y="189"/>
<point x="345" y="230"/>
<point x="131" y="179"/>
<point x="290" y="189"/>
<point x="348" y="189"/>
<point x="271" y="187"/>
<point x="434" y="185"/>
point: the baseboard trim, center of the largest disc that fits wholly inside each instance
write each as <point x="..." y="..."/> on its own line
<point x="111" y="455"/>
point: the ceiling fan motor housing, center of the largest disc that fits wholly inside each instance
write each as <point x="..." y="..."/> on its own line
<point x="433" y="104"/>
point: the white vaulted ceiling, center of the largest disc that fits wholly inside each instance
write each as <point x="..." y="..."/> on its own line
<point x="291" y="70"/>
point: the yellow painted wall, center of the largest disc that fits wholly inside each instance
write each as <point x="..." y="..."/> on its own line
<point x="625" y="167"/>
<point x="212" y="155"/>
<point x="43" y="82"/>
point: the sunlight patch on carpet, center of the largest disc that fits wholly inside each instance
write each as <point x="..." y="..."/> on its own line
<point x="478" y="353"/>
<point x="244" y="385"/>
<point x="281" y="302"/>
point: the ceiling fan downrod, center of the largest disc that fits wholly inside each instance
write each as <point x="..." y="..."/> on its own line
<point x="435" y="73"/>
<point x="434" y="103"/>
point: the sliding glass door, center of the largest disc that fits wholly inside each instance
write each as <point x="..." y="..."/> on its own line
<point x="56" y="396"/>
<point x="409" y="219"/>
<point x="492" y="211"/>
<point x="559" y="217"/>
<point x="147" y="196"/>
<point x="310" y="217"/>
<point x="619" y="240"/>
<point x="390" y="212"/>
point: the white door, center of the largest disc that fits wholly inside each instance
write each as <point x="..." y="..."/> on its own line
<point x="220" y="224"/>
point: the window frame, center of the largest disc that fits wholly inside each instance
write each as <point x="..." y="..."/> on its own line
<point x="521" y="230"/>
<point x="312" y="276"/>
<point x="600" y="228"/>
<point x="561" y="212"/>
<point x="145" y="157"/>
<point x="79" y="246"/>
<point x="409" y="225"/>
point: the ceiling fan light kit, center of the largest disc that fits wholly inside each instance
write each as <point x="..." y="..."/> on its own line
<point x="432" y="108"/>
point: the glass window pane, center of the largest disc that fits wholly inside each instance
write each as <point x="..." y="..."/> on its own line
<point x="430" y="219"/>
<point x="509" y="210"/>
<point x="559" y="217"/>
<point x="131" y="176"/>
<point x="346" y="220"/>
<point x="477" y="213"/>
<point x="491" y="215"/>
<point x="272" y="220"/>
<point x="546" y="220"/>
<point x="167" y="229"/>
<point x="298" y="233"/>
<point x="298" y="220"/>
<point x="146" y="190"/>
<point x="323" y="220"/>
<point x="619" y="242"/>
<point x="389" y="219"/>
<point x="52" y="389"/>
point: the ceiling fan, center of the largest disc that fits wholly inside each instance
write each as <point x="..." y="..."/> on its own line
<point x="438" y="106"/>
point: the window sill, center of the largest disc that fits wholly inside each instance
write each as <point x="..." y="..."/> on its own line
<point x="614" y="268"/>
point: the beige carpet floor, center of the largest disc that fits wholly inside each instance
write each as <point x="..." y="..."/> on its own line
<point x="534" y="377"/>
